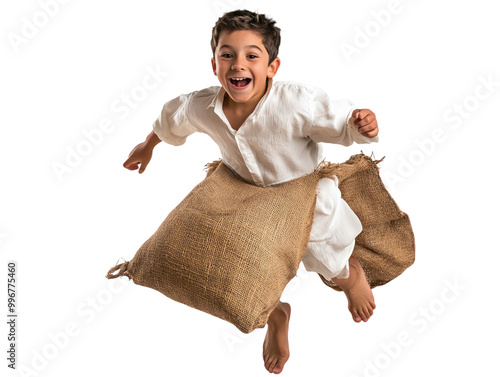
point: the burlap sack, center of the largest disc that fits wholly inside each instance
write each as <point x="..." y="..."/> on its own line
<point x="229" y="248"/>
<point x="386" y="246"/>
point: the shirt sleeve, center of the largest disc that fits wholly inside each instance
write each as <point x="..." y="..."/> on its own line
<point x="330" y="121"/>
<point x="173" y="125"/>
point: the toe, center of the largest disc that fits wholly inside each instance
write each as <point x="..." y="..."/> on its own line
<point x="363" y="315"/>
<point x="278" y="368"/>
<point x="367" y="313"/>
<point x="356" y="317"/>
<point x="267" y="363"/>
<point x="271" y="364"/>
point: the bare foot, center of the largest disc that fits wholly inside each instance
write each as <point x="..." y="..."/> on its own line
<point x="359" y="294"/>
<point x="276" y="351"/>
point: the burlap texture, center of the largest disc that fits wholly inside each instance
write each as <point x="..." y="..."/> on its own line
<point x="229" y="248"/>
<point x="386" y="246"/>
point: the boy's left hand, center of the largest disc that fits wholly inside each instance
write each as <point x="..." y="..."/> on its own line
<point x="365" y="122"/>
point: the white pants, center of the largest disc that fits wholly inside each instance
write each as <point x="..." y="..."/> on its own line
<point x="334" y="230"/>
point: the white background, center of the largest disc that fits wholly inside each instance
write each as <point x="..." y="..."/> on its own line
<point x="412" y="68"/>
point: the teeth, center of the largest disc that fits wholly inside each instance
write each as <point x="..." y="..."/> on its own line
<point x="238" y="78"/>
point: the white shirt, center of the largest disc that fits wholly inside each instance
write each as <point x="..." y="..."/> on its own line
<point x="278" y="142"/>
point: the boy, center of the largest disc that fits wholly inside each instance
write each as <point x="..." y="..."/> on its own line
<point x="268" y="133"/>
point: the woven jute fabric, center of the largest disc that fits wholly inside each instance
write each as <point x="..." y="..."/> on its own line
<point x="386" y="246"/>
<point x="230" y="247"/>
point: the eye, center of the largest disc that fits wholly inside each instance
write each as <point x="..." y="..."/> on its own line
<point x="226" y="55"/>
<point x="252" y="56"/>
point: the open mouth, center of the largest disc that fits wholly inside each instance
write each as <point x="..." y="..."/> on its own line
<point x="240" y="82"/>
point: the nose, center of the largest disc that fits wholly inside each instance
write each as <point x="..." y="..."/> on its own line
<point x="237" y="65"/>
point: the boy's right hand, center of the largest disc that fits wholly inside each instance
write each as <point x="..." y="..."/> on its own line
<point x="140" y="155"/>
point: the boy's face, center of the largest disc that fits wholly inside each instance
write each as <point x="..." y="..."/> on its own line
<point x="241" y="64"/>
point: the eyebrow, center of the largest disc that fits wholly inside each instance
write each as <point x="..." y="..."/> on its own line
<point x="249" y="46"/>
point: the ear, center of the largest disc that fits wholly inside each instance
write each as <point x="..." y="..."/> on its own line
<point x="214" y="67"/>
<point x="273" y="68"/>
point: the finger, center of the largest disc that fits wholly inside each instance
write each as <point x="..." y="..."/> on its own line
<point x="358" y="114"/>
<point x="131" y="165"/>
<point x="368" y="128"/>
<point x="371" y="134"/>
<point x="367" y="124"/>
<point x="366" y="119"/>
<point x="355" y="117"/>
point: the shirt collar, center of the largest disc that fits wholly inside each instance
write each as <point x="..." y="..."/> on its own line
<point x="218" y="99"/>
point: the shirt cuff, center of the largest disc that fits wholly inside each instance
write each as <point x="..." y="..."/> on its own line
<point x="349" y="116"/>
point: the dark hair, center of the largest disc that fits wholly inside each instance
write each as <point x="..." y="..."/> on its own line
<point x="246" y="20"/>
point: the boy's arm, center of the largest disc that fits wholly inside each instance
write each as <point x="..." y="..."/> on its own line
<point x="172" y="126"/>
<point x="339" y="122"/>
<point x="142" y="153"/>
